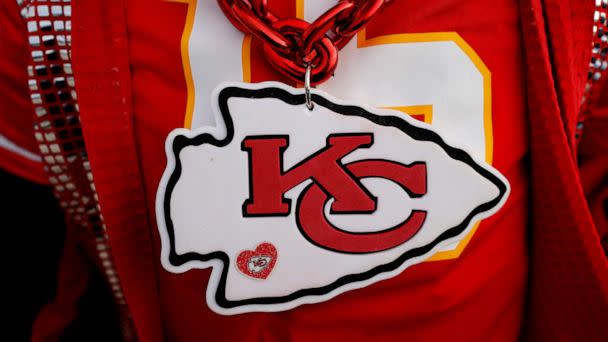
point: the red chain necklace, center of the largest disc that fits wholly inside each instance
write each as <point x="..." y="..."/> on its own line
<point x="291" y="44"/>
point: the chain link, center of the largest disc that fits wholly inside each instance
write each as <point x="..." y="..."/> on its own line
<point x="292" y="44"/>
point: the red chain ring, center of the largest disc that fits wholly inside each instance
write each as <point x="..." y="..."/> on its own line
<point x="291" y="44"/>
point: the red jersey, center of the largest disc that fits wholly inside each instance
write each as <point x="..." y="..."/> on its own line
<point x="175" y="65"/>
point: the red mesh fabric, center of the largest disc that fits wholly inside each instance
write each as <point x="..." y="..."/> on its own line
<point x="568" y="25"/>
<point x="568" y="271"/>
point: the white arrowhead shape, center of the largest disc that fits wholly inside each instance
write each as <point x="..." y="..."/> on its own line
<point x="200" y="197"/>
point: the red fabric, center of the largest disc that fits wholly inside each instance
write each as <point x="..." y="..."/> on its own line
<point x="135" y="95"/>
<point x="104" y="88"/>
<point x="74" y="273"/>
<point x="16" y="112"/>
<point x="57" y="128"/>
<point x="23" y="167"/>
<point x="568" y="26"/>
<point x="593" y="160"/>
<point x="568" y="271"/>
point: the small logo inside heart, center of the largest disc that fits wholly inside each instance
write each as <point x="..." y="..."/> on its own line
<point x="258" y="263"/>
